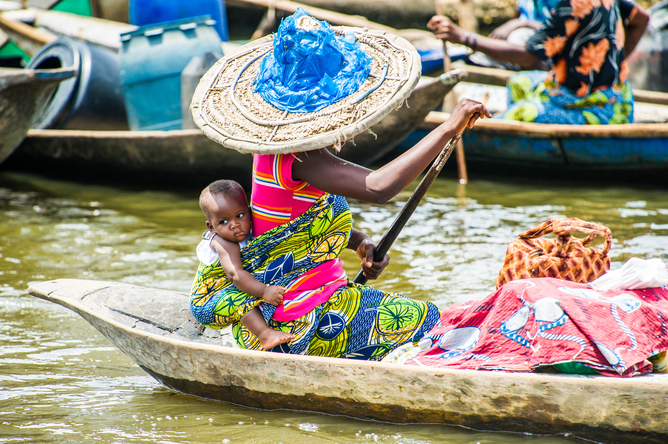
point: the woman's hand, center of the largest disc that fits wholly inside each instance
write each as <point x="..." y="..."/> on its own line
<point x="466" y="113"/>
<point x="370" y="269"/>
<point x="365" y="247"/>
<point x="444" y="29"/>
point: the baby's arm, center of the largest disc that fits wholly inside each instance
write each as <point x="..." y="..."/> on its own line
<point x="230" y="260"/>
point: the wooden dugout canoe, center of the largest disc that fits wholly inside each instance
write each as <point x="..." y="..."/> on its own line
<point x="155" y="328"/>
<point x="23" y="95"/>
<point x="189" y="157"/>
<point x="631" y="153"/>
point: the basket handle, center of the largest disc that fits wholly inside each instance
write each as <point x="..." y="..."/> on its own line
<point x="563" y="227"/>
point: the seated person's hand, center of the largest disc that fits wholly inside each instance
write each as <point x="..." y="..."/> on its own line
<point x="370" y="268"/>
<point x="273" y="294"/>
<point x="444" y="29"/>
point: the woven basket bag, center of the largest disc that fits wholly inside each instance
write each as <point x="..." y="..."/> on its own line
<point x="565" y="257"/>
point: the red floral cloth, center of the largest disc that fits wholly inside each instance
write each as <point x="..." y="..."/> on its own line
<point x="531" y="323"/>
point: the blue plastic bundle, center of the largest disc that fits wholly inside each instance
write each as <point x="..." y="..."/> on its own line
<point x="310" y="68"/>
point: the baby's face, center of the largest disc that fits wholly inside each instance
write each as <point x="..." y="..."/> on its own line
<point x="230" y="218"/>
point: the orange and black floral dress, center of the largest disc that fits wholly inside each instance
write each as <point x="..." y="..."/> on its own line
<point x="583" y="42"/>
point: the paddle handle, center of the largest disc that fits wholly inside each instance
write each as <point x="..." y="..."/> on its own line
<point x="393" y="232"/>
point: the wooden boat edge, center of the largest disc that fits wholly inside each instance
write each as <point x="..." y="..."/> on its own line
<point x="544" y="130"/>
<point x="537" y="403"/>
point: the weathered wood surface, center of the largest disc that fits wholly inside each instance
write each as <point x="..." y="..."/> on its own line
<point x="99" y="31"/>
<point x="181" y="156"/>
<point x="23" y="95"/>
<point x="26" y="37"/>
<point x="116" y="10"/>
<point x="154" y="327"/>
<point x="328" y="14"/>
<point x="332" y="15"/>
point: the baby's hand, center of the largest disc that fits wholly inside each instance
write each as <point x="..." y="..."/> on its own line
<point x="273" y="294"/>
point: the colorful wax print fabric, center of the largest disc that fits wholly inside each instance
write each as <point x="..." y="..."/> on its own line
<point x="529" y="324"/>
<point x="302" y="255"/>
<point x="357" y="322"/>
<point x="276" y="198"/>
<point x="328" y="315"/>
<point x="584" y="42"/>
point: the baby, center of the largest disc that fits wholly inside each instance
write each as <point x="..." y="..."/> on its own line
<point x="225" y="206"/>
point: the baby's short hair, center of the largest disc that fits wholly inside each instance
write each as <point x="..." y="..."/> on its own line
<point x="223" y="187"/>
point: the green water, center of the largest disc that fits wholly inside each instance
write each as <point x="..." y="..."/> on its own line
<point x="62" y="382"/>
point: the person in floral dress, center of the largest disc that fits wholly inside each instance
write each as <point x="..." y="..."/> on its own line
<point x="584" y="43"/>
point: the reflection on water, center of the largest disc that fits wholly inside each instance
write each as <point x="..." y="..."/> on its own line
<point x="62" y="381"/>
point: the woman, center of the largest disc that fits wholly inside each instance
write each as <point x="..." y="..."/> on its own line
<point x="585" y="42"/>
<point x="313" y="84"/>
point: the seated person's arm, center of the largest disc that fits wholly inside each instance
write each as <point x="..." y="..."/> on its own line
<point x="503" y="31"/>
<point x="230" y="260"/>
<point x="634" y="27"/>
<point x="444" y="29"/>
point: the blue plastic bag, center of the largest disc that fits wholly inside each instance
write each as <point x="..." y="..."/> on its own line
<point x="311" y="68"/>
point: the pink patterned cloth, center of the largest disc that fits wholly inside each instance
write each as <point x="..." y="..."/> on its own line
<point x="530" y="323"/>
<point x="277" y="199"/>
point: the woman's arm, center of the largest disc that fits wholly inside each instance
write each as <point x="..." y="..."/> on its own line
<point x="635" y="29"/>
<point x="362" y="244"/>
<point x="329" y="173"/>
<point x="444" y="29"/>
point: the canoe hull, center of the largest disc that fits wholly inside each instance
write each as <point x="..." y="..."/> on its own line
<point x="188" y="157"/>
<point x="176" y="353"/>
<point x="23" y="95"/>
<point x="631" y="154"/>
<point x="182" y="157"/>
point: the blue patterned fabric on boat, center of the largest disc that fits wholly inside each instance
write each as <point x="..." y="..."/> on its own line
<point x="534" y="98"/>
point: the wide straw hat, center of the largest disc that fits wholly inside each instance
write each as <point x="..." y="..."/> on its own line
<point x="227" y="108"/>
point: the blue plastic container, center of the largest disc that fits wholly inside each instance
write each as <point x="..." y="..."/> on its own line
<point x="148" y="12"/>
<point x="151" y="61"/>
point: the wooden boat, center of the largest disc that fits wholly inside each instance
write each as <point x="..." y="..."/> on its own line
<point x="402" y="14"/>
<point x="187" y="156"/>
<point x="633" y="153"/>
<point x="182" y="157"/>
<point x="155" y="328"/>
<point x="23" y="95"/>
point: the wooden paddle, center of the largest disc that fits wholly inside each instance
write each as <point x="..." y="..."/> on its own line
<point x="390" y="236"/>
<point x="450" y="101"/>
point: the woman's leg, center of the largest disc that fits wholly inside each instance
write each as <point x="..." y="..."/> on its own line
<point x="358" y="322"/>
<point x="361" y="322"/>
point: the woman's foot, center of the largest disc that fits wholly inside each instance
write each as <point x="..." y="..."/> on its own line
<point x="270" y="338"/>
